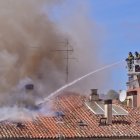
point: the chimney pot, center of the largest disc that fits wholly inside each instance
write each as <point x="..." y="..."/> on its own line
<point x="94" y="95"/>
<point x="132" y="98"/>
<point x="29" y="86"/>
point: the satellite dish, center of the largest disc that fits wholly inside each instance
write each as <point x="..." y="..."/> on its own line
<point x="122" y="96"/>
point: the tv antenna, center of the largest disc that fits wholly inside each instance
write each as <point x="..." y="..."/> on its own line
<point x="67" y="51"/>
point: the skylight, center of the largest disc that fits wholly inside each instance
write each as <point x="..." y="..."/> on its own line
<point x="98" y="108"/>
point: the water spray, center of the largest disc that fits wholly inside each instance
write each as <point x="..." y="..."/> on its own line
<point x="79" y="79"/>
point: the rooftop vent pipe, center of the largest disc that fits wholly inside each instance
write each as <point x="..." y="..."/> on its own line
<point x="29" y="87"/>
<point x="108" y="111"/>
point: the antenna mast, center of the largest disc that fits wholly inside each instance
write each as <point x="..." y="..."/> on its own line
<point x="67" y="51"/>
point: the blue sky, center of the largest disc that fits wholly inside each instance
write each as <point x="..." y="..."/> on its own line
<point x="120" y="22"/>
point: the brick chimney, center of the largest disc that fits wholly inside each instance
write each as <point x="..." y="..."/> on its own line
<point x="94" y="95"/>
<point x="108" y="111"/>
<point x="132" y="99"/>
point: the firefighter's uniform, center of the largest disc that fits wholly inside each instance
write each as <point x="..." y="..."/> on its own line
<point x="137" y="56"/>
<point x="130" y="61"/>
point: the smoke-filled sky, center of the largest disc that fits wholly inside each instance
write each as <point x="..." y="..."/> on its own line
<point x="100" y="32"/>
<point x="29" y="39"/>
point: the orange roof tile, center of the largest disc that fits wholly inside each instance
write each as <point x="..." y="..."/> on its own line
<point x="75" y="110"/>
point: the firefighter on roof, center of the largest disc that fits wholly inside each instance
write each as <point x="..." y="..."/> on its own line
<point x="130" y="60"/>
<point x="130" y="57"/>
<point x="137" y="56"/>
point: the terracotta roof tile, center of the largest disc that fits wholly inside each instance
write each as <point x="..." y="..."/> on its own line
<point x="75" y="110"/>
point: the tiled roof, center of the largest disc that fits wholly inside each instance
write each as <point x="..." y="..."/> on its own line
<point x="75" y="110"/>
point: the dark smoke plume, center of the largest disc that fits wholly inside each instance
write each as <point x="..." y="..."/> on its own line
<point x="27" y="40"/>
<point x="86" y="38"/>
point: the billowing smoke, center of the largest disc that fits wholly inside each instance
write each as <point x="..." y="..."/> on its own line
<point x="111" y="94"/>
<point x="30" y="68"/>
<point x="86" y="37"/>
<point x="28" y="39"/>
